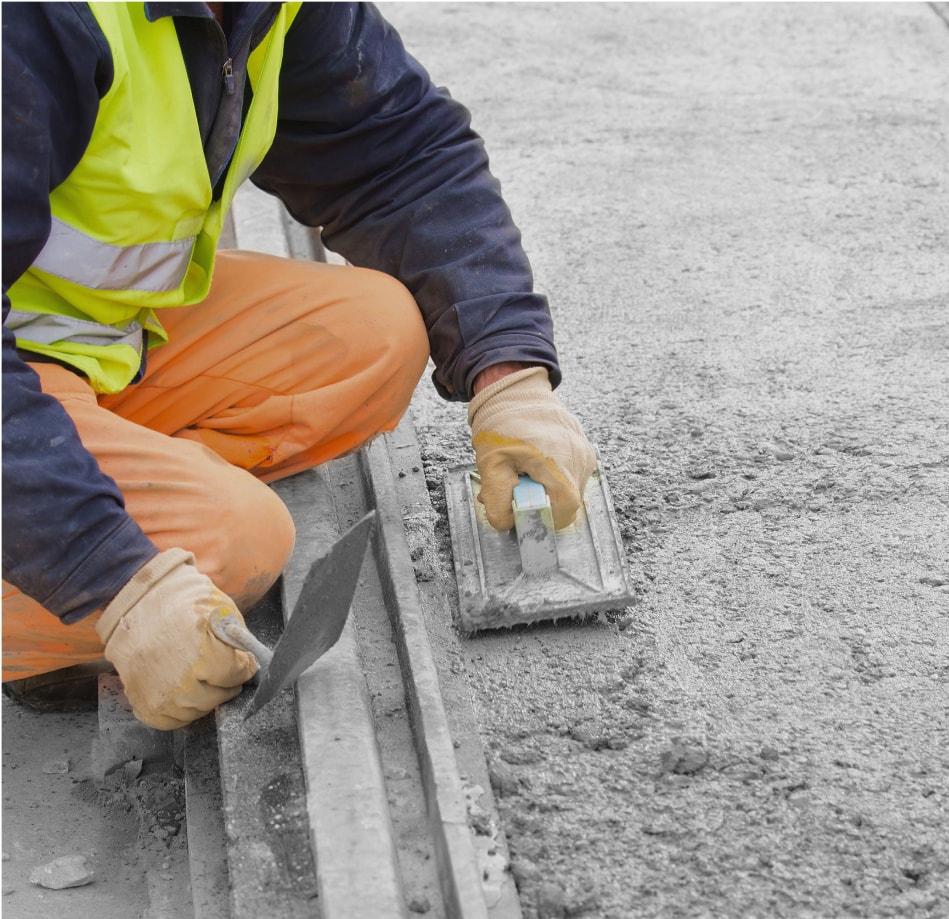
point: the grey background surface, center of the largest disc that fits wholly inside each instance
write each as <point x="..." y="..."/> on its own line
<point x="739" y="213"/>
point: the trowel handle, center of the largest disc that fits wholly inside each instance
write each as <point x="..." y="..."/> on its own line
<point x="529" y="494"/>
<point x="229" y="629"/>
<point x="534" y="523"/>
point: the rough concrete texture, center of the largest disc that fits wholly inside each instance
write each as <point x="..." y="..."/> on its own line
<point x="121" y="836"/>
<point x="122" y="738"/>
<point x="739" y="213"/>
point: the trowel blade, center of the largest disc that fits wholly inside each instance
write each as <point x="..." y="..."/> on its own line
<point x="319" y="614"/>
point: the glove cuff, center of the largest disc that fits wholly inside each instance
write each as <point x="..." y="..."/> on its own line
<point x="519" y="387"/>
<point x="140" y="584"/>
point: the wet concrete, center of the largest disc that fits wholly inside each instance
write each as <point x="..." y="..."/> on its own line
<point x="739" y="214"/>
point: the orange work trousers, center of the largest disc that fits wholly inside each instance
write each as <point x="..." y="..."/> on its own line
<point x="285" y="365"/>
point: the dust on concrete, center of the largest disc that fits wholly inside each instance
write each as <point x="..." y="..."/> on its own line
<point x="128" y="826"/>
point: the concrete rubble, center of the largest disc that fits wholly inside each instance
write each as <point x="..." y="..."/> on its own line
<point x="65" y="871"/>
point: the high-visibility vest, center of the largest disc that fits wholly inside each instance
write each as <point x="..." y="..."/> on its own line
<point x="135" y="226"/>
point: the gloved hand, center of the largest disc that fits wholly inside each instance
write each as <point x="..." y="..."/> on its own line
<point x="156" y="633"/>
<point x="518" y="426"/>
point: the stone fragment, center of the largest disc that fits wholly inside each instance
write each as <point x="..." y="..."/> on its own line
<point x="419" y="904"/>
<point x="523" y="756"/>
<point x="524" y="871"/>
<point x="56" y="767"/>
<point x="551" y="901"/>
<point x="583" y="901"/>
<point x="632" y="672"/>
<point x="504" y="779"/>
<point x="701" y="472"/>
<point x="637" y="704"/>
<point x="684" y="757"/>
<point x="63" y="872"/>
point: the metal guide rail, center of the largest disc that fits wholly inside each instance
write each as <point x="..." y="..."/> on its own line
<point x="364" y="792"/>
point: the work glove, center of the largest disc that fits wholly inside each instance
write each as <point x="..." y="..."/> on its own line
<point x="520" y="426"/>
<point x="156" y="633"/>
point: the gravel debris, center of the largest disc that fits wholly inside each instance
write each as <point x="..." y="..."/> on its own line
<point x="56" y="767"/>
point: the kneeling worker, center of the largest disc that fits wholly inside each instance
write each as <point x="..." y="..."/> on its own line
<point x="153" y="386"/>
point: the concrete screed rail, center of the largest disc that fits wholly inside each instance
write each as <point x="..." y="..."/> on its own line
<point x="364" y="793"/>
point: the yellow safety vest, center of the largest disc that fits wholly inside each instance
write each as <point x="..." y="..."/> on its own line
<point x="134" y="226"/>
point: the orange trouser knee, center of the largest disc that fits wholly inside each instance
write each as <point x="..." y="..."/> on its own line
<point x="284" y="366"/>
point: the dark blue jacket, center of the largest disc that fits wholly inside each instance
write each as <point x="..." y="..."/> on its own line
<point x="366" y="148"/>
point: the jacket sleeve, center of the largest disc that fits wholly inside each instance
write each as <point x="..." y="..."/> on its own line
<point x="67" y="540"/>
<point x="368" y="149"/>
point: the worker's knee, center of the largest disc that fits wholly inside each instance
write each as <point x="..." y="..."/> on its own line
<point x="394" y="350"/>
<point x="401" y="348"/>
<point x="254" y="537"/>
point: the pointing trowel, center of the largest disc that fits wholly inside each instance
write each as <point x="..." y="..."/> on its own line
<point x="316" y="623"/>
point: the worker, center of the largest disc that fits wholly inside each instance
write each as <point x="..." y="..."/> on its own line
<point x="153" y="385"/>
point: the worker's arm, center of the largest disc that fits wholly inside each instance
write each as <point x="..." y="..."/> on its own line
<point x="369" y="149"/>
<point x="389" y="166"/>
<point x="67" y="540"/>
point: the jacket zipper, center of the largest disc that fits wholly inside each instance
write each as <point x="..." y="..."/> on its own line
<point x="228" y="72"/>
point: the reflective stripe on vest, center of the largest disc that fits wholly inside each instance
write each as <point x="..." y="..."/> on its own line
<point x="72" y="255"/>
<point x="135" y="225"/>
<point x="48" y="329"/>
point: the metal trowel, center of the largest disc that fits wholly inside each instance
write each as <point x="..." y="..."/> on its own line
<point x="533" y="572"/>
<point x="316" y="622"/>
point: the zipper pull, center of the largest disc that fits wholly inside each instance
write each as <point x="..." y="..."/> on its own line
<point x="228" y="71"/>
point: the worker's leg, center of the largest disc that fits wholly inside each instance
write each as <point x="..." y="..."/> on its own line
<point x="182" y="495"/>
<point x="283" y="366"/>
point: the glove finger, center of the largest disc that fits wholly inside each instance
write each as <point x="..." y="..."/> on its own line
<point x="221" y="665"/>
<point x="170" y="715"/>
<point x="498" y="478"/>
<point x="565" y="497"/>
<point x="496" y="499"/>
<point x="565" y="467"/>
<point x="159" y="722"/>
<point x="187" y="705"/>
<point x="198" y="699"/>
<point x="501" y="460"/>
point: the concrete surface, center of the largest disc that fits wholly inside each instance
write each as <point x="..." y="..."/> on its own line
<point x="127" y="825"/>
<point x="739" y="213"/>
